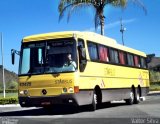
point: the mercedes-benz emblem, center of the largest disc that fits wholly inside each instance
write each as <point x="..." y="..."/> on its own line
<point x="44" y="92"/>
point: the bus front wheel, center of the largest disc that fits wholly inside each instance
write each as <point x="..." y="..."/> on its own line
<point x="94" y="101"/>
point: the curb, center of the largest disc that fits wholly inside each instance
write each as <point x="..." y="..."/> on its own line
<point x="153" y="93"/>
<point x="10" y="105"/>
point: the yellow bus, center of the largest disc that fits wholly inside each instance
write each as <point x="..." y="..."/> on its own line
<point x="79" y="68"/>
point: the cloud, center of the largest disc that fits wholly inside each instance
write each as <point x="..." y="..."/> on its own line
<point x="113" y="24"/>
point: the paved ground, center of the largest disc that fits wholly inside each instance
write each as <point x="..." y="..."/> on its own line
<point x="147" y="112"/>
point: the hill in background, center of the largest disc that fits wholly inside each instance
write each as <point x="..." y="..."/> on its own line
<point x="11" y="79"/>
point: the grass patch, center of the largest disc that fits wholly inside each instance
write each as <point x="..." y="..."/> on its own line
<point x="4" y="101"/>
<point x="10" y="98"/>
<point x="154" y="86"/>
<point x="9" y="95"/>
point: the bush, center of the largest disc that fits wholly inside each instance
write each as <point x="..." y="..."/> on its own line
<point x="4" y="101"/>
<point x="12" y="85"/>
<point x="155" y="86"/>
<point x="9" y="91"/>
<point x="154" y="76"/>
<point x="9" y="85"/>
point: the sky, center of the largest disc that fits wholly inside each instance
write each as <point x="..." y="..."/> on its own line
<point x="20" y="18"/>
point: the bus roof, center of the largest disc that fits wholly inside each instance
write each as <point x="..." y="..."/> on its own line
<point x="90" y="36"/>
<point x="111" y="43"/>
<point x="46" y="36"/>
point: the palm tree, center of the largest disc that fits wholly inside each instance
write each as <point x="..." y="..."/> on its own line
<point x="98" y="5"/>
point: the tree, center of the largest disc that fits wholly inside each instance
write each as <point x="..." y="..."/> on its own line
<point x="98" y="5"/>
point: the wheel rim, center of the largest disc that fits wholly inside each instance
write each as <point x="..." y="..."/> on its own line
<point x="131" y="96"/>
<point x="95" y="98"/>
<point x="138" y="96"/>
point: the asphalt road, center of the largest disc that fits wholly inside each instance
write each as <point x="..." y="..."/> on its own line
<point x="147" y="112"/>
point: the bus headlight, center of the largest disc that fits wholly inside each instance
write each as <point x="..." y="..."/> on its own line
<point x="70" y="90"/>
<point x="23" y="92"/>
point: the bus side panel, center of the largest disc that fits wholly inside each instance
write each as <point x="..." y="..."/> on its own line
<point x="84" y="97"/>
<point x="114" y="94"/>
<point x="120" y="94"/>
<point x="144" y="91"/>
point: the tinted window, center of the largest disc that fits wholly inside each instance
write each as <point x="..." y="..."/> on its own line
<point x="122" y="57"/>
<point x="82" y="55"/>
<point x="136" y="61"/>
<point x="47" y="56"/>
<point x="143" y="62"/>
<point x="114" y="56"/>
<point x="130" y="59"/>
<point x="81" y="48"/>
<point x="103" y="53"/>
<point x="92" y="48"/>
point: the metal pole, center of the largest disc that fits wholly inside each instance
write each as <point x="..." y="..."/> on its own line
<point x="122" y="31"/>
<point x="122" y="39"/>
<point x="4" y="86"/>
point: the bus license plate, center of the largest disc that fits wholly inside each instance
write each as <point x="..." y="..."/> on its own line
<point x="46" y="103"/>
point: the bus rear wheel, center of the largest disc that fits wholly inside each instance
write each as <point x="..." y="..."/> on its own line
<point x="137" y="96"/>
<point x="130" y="100"/>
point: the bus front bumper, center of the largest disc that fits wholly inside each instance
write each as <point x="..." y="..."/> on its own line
<point x="69" y="99"/>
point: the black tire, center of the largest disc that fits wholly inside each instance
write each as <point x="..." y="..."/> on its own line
<point x="94" y="101"/>
<point x="130" y="100"/>
<point x="137" y="96"/>
<point x="48" y="109"/>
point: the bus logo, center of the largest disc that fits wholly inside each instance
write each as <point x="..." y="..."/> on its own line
<point x="44" y="92"/>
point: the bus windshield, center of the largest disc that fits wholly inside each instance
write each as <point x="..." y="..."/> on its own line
<point x="48" y="57"/>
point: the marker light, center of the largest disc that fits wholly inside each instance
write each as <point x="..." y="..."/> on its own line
<point x="64" y="90"/>
<point x="70" y="90"/>
<point x="25" y="92"/>
<point x="76" y="89"/>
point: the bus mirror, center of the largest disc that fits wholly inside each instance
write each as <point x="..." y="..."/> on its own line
<point x="149" y="57"/>
<point x="13" y="56"/>
<point x="13" y="52"/>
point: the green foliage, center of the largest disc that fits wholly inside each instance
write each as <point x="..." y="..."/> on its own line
<point x="10" y="85"/>
<point x="154" y="76"/>
<point x="73" y="5"/>
<point x="4" y="101"/>
<point x="1" y="85"/>
<point x="10" y="79"/>
<point x="10" y="91"/>
<point x="154" y="86"/>
<point x="98" y="5"/>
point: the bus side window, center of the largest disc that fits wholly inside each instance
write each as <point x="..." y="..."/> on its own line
<point x="82" y="55"/>
<point x="122" y="58"/>
<point x="143" y="62"/>
<point x="114" y="55"/>
<point x="103" y="53"/>
<point x="136" y="61"/>
<point x="130" y="59"/>
<point x="93" y="51"/>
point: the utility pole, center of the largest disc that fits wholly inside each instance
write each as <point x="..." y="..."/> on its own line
<point x="4" y="86"/>
<point x="122" y="31"/>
